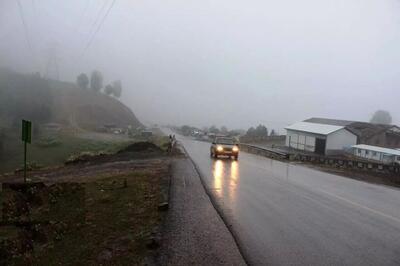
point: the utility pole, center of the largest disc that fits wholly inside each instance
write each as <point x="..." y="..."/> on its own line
<point x="52" y="68"/>
<point x="26" y="138"/>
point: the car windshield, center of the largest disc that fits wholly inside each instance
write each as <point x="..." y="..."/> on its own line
<point x="224" y="141"/>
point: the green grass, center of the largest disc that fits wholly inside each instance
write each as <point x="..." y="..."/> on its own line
<point x="67" y="145"/>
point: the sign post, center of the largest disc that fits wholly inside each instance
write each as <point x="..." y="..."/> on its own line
<point x="26" y="138"/>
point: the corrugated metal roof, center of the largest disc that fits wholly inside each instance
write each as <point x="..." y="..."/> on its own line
<point x="377" y="149"/>
<point x="329" y="121"/>
<point x="315" y="128"/>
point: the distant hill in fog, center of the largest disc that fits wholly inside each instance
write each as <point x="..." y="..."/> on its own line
<point x="47" y="101"/>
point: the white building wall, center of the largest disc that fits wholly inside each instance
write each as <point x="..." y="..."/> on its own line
<point x="371" y="155"/>
<point x="376" y="156"/>
<point x="340" y="140"/>
<point x="301" y="140"/>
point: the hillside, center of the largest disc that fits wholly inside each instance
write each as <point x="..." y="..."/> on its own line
<point x="87" y="109"/>
<point x="43" y="101"/>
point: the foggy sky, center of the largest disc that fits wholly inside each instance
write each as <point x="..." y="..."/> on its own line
<point x="225" y="62"/>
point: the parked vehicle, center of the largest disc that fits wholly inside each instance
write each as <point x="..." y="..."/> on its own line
<point x="224" y="146"/>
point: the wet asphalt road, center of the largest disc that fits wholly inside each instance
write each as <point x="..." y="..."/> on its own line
<point x="285" y="214"/>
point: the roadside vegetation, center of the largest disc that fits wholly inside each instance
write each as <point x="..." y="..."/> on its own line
<point x="52" y="150"/>
<point x="259" y="134"/>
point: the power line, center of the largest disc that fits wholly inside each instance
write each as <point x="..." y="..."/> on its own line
<point x="99" y="26"/>
<point x="103" y="7"/>
<point x="25" y="26"/>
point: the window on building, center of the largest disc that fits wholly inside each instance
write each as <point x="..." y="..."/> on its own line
<point x="374" y="153"/>
<point x="366" y="152"/>
<point x="358" y="151"/>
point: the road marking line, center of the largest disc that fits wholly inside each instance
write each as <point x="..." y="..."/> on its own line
<point x="361" y="206"/>
<point x="344" y="199"/>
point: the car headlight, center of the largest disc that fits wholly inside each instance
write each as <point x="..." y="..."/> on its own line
<point x="220" y="148"/>
<point x="235" y="148"/>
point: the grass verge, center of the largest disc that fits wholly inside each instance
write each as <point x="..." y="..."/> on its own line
<point x="63" y="146"/>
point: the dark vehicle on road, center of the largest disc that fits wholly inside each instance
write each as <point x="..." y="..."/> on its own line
<point x="224" y="146"/>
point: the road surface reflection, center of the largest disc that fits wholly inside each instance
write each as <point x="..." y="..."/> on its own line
<point x="225" y="177"/>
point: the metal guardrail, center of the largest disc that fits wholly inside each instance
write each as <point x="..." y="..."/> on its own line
<point x="317" y="159"/>
<point x="263" y="151"/>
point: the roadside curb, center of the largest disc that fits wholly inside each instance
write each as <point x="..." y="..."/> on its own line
<point x="217" y="208"/>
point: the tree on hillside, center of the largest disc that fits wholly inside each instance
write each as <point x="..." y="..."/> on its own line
<point x="273" y="133"/>
<point x="381" y="117"/>
<point x="82" y="81"/>
<point x="109" y="89"/>
<point x="117" y="88"/>
<point x="96" y="81"/>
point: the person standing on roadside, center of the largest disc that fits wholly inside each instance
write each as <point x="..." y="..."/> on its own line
<point x="170" y="143"/>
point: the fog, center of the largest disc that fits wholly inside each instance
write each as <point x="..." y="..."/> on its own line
<point x="233" y="63"/>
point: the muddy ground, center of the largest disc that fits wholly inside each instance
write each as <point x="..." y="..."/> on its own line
<point x="96" y="210"/>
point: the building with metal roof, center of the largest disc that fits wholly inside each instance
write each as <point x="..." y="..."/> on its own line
<point x="324" y="139"/>
<point x="329" y="121"/>
<point x="387" y="136"/>
<point x="369" y="152"/>
<point x="322" y="129"/>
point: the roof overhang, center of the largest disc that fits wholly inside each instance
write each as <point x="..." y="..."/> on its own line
<point x="314" y="128"/>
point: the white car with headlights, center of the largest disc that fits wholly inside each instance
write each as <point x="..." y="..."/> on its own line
<point x="224" y="146"/>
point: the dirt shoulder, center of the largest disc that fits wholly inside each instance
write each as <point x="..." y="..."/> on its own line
<point x="194" y="233"/>
<point x="112" y="209"/>
<point x="102" y="211"/>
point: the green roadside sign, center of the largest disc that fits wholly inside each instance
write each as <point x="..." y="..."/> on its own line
<point x="26" y="138"/>
<point x="26" y="131"/>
